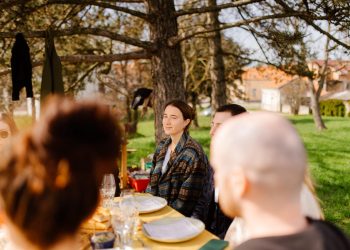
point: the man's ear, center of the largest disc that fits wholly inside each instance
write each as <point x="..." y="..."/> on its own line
<point x="240" y="182"/>
<point x="187" y="121"/>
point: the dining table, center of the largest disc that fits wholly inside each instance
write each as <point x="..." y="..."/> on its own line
<point x="140" y="241"/>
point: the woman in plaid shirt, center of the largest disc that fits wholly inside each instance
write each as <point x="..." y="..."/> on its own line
<point x="180" y="165"/>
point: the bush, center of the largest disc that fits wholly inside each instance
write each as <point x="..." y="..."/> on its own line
<point x="332" y="108"/>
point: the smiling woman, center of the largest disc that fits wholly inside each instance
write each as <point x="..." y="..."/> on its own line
<point x="180" y="165"/>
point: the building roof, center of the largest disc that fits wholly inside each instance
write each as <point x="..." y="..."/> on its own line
<point x="343" y="96"/>
<point x="271" y="76"/>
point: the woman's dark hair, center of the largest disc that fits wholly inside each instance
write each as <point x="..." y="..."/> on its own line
<point x="185" y="109"/>
<point x="7" y="118"/>
<point x="49" y="181"/>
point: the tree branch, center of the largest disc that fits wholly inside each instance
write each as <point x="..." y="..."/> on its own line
<point x="8" y="4"/>
<point x="86" y="31"/>
<point x="310" y="22"/>
<point x="103" y="5"/>
<point x="142" y="54"/>
<point x="177" y="39"/>
<point x="127" y="1"/>
<point x="106" y="58"/>
<point x="81" y="78"/>
<point x="316" y="27"/>
<point x="215" y="8"/>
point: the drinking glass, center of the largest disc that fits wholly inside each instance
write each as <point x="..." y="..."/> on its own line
<point x="127" y="192"/>
<point x="131" y="210"/>
<point x="122" y="226"/>
<point x="107" y="190"/>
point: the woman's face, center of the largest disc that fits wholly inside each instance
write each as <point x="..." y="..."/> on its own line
<point x="173" y="121"/>
<point x="5" y="133"/>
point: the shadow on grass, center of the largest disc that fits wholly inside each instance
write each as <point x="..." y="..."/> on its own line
<point x="201" y="128"/>
<point x="309" y="119"/>
<point x="135" y="136"/>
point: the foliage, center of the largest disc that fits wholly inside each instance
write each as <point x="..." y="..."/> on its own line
<point x="332" y="108"/>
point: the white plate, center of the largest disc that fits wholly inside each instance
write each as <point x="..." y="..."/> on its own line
<point x="149" y="204"/>
<point x="172" y="230"/>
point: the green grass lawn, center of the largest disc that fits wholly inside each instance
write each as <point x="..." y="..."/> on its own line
<point x="329" y="159"/>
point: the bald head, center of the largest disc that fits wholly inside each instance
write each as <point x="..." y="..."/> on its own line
<point x="266" y="148"/>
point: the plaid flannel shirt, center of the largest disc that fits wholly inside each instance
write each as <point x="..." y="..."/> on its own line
<point x="183" y="182"/>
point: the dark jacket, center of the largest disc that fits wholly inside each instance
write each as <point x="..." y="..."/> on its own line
<point x="21" y="68"/>
<point x="208" y="211"/>
<point x="319" y="235"/>
<point x="52" y="81"/>
<point x="182" y="183"/>
<point x="201" y="210"/>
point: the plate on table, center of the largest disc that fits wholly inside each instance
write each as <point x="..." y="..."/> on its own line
<point x="149" y="204"/>
<point x="172" y="230"/>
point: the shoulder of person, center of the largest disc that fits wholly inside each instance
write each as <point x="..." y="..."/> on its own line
<point x="195" y="145"/>
<point x="257" y="244"/>
<point x="331" y="232"/>
<point x="329" y="237"/>
<point x="162" y="144"/>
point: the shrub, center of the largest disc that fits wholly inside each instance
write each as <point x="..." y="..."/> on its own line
<point x="332" y="108"/>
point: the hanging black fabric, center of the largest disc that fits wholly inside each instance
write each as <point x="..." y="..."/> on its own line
<point x="139" y="97"/>
<point x="52" y="82"/>
<point x="21" y="68"/>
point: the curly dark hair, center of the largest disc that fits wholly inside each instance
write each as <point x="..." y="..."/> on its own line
<point x="50" y="177"/>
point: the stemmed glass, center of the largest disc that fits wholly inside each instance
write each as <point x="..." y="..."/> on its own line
<point x="107" y="190"/>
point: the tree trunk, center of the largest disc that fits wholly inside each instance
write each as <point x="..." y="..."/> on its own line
<point x="132" y="118"/>
<point x="194" y="101"/>
<point x="347" y="108"/>
<point x="166" y="61"/>
<point x="217" y="72"/>
<point x="33" y="110"/>
<point x="315" y="107"/>
<point x="295" y="105"/>
<point x="315" y="94"/>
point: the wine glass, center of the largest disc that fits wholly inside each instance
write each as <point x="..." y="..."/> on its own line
<point x="107" y="190"/>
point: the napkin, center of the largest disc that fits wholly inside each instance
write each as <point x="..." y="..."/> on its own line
<point x="215" y="245"/>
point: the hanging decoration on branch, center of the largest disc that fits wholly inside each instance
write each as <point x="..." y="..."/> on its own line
<point x="21" y="68"/>
<point x="52" y="81"/>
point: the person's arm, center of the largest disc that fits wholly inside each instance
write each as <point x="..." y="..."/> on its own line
<point x="191" y="188"/>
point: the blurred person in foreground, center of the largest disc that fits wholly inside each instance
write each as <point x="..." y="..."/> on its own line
<point x="7" y="128"/>
<point x="50" y="177"/>
<point x="260" y="164"/>
<point x="180" y="165"/>
<point x="207" y="208"/>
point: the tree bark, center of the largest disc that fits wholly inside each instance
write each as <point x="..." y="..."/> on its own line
<point x="194" y="101"/>
<point x="166" y="61"/>
<point x="315" y="94"/>
<point x="217" y="72"/>
<point x="315" y="107"/>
